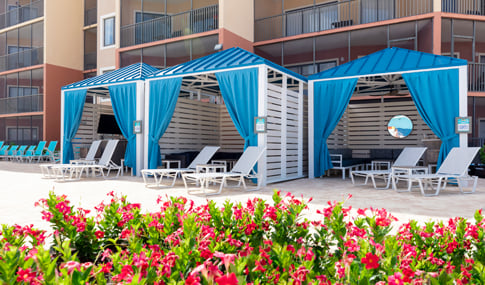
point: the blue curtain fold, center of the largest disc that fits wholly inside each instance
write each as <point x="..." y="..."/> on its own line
<point x="239" y="90"/>
<point x="436" y="96"/>
<point x="163" y="99"/>
<point x="123" y="100"/>
<point x="73" y="110"/>
<point x="330" y="101"/>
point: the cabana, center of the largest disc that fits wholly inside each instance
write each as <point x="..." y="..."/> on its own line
<point x="437" y="85"/>
<point x="126" y="89"/>
<point x="218" y="99"/>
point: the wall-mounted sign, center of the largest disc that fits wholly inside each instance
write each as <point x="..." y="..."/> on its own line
<point x="260" y="124"/>
<point x="463" y="125"/>
<point x="137" y="129"/>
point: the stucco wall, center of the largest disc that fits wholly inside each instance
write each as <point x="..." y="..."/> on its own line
<point x="237" y="16"/>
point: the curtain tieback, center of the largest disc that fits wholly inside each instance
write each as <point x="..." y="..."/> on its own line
<point x="448" y="138"/>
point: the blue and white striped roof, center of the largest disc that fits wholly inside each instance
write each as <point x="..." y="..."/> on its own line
<point x="137" y="71"/>
<point x="389" y="60"/>
<point x="224" y="60"/>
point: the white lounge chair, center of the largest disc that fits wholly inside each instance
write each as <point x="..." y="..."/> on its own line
<point x="46" y="168"/>
<point x="454" y="167"/>
<point x="409" y="156"/>
<point x="158" y="175"/>
<point x="243" y="169"/>
<point x="65" y="172"/>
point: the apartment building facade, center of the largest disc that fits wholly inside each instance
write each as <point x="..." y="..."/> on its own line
<point x="92" y="37"/>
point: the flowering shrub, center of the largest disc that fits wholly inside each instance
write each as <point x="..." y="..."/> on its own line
<point x="251" y="243"/>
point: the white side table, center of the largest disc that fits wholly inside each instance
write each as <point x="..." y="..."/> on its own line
<point x="397" y="171"/>
<point x="167" y="163"/>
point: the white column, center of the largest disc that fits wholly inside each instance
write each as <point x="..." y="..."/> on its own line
<point x="300" y="128"/>
<point x="63" y="93"/>
<point x="145" y="124"/>
<point x="284" y="122"/>
<point x="311" y="170"/>
<point x="140" y="114"/>
<point x="262" y="111"/>
<point x="463" y="101"/>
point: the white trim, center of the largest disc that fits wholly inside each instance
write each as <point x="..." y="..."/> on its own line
<point x="63" y="93"/>
<point x="140" y="115"/>
<point x="106" y="85"/>
<point x="284" y="121"/>
<point x="220" y="70"/>
<point x="101" y="32"/>
<point x="386" y="73"/>
<point x="463" y="100"/>
<point x="262" y="111"/>
<point x="311" y="169"/>
<point x="300" y="129"/>
<point x="145" y="126"/>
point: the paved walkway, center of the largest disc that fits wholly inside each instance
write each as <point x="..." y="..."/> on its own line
<point x="21" y="185"/>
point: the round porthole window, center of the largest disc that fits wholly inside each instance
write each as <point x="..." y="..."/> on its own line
<point x="400" y="126"/>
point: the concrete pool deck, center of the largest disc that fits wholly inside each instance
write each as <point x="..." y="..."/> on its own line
<point x="21" y="185"/>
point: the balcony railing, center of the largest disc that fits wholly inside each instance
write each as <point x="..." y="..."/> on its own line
<point x="90" y="60"/>
<point x="171" y="26"/>
<point x="22" y="104"/>
<point x="476" y="77"/>
<point x="19" y="14"/>
<point x="90" y="16"/>
<point x="336" y="15"/>
<point x="470" y="7"/>
<point x="22" y="59"/>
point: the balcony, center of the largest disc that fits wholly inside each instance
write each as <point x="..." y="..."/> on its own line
<point x="19" y="14"/>
<point x="23" y="104"/>
<point x="90" y="17"/>
<point x="476" y="77"/>
<point x="336" y="15"/>
<point x="171" y="26"/>
<point x="90" y="61"/>
<point x="22" y="59"/>
<point x="470" y="7"/>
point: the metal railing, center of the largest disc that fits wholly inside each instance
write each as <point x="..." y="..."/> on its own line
<point x="470" y="7"/>
<point x="90" y="60"/>
<point x="90" y="16"/>
<point x="336" y="15"/>
<point x="22" y="104"/>
<point x="171" y="26"/>
<point x="476" y="77"/>
<point x="22" y="59"/>
<point x="20" y="14"/>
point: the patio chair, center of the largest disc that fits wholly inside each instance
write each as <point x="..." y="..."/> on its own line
<point x="4" y="150"/>
<point x="22" y="151"/>
<point x="74" y="171"/>
<point x="454" y="167"/>
<point x="158" y="174"/>
<point x="10" y="152"/>
<point x="409" y="156"/>
<point x="47" y="154"/>
<point x="90" y="158"/>
<point x="243" y="169"/>
<point x="36" y="152"/>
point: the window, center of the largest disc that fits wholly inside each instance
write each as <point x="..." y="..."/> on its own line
<point x="109" y="31"/>
<point x="307" y="69"/>
<point x="19" y="91"/>
<point x="151" y="29"/>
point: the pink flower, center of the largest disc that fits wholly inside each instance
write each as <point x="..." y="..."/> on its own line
<point x="370" y="260"/>
<point x="395" y="279"/>
<point x="71" y="265"/>
<point x="230" y="279"/>
<point x="99" y="234"/>
<point x="25" y="275"/>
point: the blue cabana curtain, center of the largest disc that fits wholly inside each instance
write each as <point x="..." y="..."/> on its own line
<point x="163" y="98"/>
<point x="239" y="90"/>
<point x="436" y="96"/>
<point x="73" y="110"/>
<point x="123" y="100"/>
<point x="330" y="101"/>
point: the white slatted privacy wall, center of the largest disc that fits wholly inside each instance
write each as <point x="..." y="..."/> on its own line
<point x="364" y="126"/>
<point x="230" y="140"/>
<point x="194" y="124"/>
<point x="285" y="136"/>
